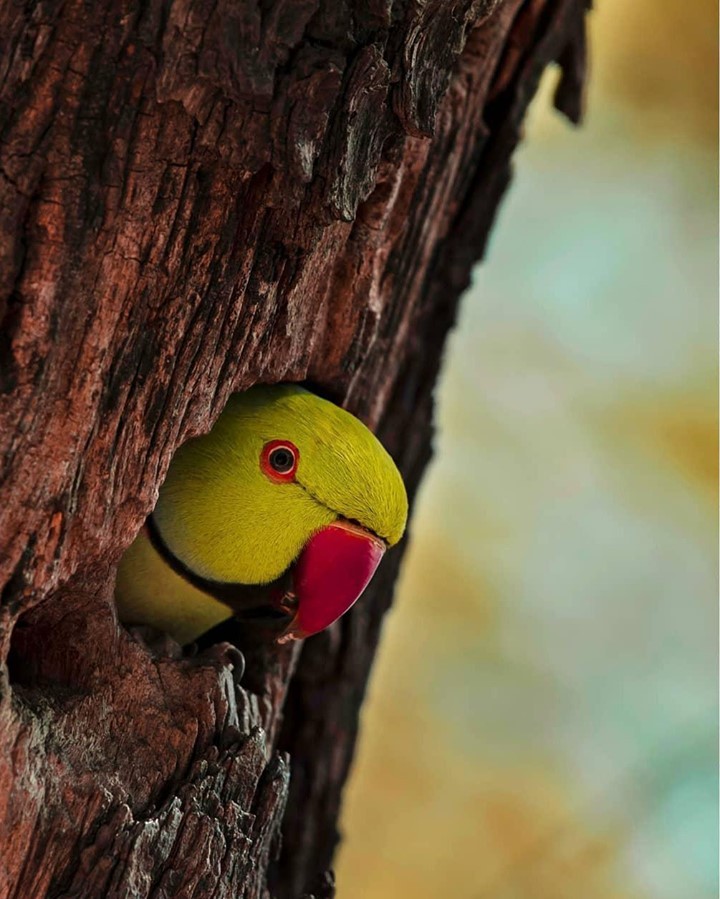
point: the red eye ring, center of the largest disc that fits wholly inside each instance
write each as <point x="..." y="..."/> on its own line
<point x="279" y="461"/>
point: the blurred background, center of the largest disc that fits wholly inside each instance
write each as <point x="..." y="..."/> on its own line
<point x="541" y="722"/>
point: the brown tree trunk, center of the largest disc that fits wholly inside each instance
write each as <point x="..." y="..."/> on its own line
<point x="194" y="197"/>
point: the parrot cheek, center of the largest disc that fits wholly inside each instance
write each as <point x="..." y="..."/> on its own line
<point x="333" y="570"/>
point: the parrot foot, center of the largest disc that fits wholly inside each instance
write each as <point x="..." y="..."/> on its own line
<point x="227" y="655"/>
<point x="157" y="642"/>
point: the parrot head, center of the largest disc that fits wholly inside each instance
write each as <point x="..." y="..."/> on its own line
<point x="287" y="493"/>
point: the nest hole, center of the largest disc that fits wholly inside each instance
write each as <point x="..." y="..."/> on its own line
<point x="64" y="641"/>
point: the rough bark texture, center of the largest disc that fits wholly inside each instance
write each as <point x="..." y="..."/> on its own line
<point x="194" y="197"/>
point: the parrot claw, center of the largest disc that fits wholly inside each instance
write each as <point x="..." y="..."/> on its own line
<point x="227" y="655"/>
<point x="156" y="641"/>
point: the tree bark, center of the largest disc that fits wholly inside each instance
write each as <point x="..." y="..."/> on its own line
<point x="195" y="197"/>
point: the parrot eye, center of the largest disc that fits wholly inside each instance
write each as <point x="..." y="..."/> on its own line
<point x="279" y="460"/>
<point x="282" y="460"/>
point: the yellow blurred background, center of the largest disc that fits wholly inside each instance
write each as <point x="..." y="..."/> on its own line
<point x="541" y="723"/>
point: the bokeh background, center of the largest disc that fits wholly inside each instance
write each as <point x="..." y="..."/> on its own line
<point x="541" y="723"/>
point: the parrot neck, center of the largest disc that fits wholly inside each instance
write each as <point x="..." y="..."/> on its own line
<point x="273" y="600"/>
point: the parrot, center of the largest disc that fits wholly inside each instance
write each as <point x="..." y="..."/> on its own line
<point x="279" y="515"/>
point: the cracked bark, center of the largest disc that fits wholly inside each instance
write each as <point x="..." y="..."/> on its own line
<point x="195" y="197"/>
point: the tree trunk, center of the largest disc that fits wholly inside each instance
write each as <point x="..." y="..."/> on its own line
<point x="195" y="197"/>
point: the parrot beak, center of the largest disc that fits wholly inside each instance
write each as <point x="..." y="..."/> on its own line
<point x="334" y="568"/>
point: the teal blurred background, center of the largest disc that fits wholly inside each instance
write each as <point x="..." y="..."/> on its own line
<point x="542" y="720"/>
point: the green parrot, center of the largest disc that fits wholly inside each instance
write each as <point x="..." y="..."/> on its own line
<point x="281" y="513"/>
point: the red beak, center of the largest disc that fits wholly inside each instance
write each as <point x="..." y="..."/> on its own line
<point x="334" y="568"/>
